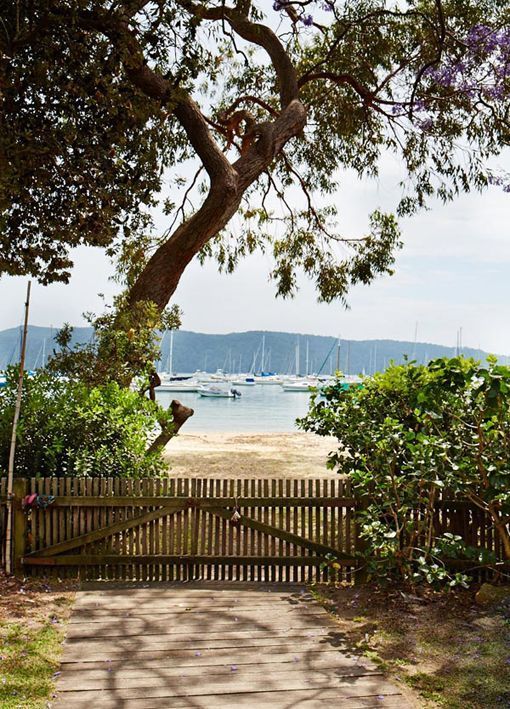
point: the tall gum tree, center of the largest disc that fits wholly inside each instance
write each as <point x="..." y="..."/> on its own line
<point x="102" y="99"/>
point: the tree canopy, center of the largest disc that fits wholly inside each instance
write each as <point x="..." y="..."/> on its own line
<point x="246" y="114"/>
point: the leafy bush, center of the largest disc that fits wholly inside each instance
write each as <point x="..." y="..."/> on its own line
<point x="68" y="428"/>
<point x="125" y="344"/>
<point x="410" y="433"/>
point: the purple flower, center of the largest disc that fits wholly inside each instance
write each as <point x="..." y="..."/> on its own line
<point x="307" y="20"/>
<point x="426" y="125"/>
<point x="419" y="104"/>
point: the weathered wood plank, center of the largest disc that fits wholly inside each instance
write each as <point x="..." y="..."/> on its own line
<point x="95" y="559"/>
<point x="304" y="699"/>
<point x="94" y="610"/>
<point x="137" y="627"/>
<point x="330" y="669"/>
<point x="206" y="658"/>
<point x="283" y="640"/>
<point x="346" y="688"/>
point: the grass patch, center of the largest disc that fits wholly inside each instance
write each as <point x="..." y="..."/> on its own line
<point x="29" y="660"/>
<point x="450" y="652"/>
<point x="33" y="615"/>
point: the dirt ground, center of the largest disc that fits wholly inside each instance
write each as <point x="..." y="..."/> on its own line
<point x="33" y="601"/>
<point x="442" y="646"/>
<point x="250" y="455"/>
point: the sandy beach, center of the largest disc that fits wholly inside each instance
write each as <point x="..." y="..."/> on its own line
<point x="249" y="455"/>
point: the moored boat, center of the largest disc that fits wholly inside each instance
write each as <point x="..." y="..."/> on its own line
<point x="267" y="378"/>
<point x="218" y="393"/>
<point x="244" y="382"/>
<point x="180" y="387"/>
<point x="305" y="384"/>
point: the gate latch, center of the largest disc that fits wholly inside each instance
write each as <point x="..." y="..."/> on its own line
<point x="236" y="517"/>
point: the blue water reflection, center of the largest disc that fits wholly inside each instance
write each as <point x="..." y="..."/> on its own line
<point x="260" y="408"/>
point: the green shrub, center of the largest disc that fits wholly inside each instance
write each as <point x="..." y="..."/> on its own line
<point x="410" y="433"/>
<point x="70" y="429"/>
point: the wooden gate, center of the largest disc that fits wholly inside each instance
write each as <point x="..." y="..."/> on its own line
<point x="181" y="529"/>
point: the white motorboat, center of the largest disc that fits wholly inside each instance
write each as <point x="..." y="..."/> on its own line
<point x="218" y="393"/>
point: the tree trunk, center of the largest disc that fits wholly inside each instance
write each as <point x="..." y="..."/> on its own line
<point x="160" y="277"/>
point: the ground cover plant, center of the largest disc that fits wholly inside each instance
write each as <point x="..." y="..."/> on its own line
<point x="71" y="428"/>
<point x="406" y="436"/>
<point x="447" y="649"/>
<point x="33" y="616"/>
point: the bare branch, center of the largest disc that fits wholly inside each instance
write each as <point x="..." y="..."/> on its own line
<point x="258" y="34"/>
<point x="180" y="209"/>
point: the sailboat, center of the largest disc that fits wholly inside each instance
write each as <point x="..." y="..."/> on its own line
<point x="179" y="385"/>
<point x="247" y="381"/>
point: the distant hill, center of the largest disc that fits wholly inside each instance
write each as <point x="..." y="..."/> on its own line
<point x="238" y="351"/>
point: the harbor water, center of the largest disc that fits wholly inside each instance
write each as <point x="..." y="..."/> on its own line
<point x="265" y="408"/>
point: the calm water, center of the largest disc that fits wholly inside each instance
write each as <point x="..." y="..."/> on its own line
<point x="260" y="408"/>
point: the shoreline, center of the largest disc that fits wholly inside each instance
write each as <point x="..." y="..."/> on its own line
<point x="220" y="454"/>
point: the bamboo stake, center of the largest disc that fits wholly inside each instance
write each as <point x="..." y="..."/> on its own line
<point x="12" y="451"/>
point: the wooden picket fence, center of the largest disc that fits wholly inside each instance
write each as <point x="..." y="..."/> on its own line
<point x="175" y="529"/>
<point x="180" y="529"/>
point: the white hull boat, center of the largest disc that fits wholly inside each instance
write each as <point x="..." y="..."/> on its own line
<point x="300" y="385"/>
<point x="247" y="382"/>
<point x="217" y="393"/>
<point x="179" y="387"/>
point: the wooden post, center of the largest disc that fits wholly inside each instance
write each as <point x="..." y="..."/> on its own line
<point x="12" y="450"/>
<point x="360" y="544"/>
<point x="19" y="525"/>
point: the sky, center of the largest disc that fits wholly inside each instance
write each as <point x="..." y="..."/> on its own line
<point x="453" y="272"/>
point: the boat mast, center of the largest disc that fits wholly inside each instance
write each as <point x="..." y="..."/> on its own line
<point x="307" y="358"/>
<point x="171" y="354"/>
<point x="254" y="360"/>
<point x="297" y="357"/>
<point x="262" y="356"/>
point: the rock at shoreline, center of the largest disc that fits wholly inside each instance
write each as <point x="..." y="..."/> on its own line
<point x="489" y="595"/>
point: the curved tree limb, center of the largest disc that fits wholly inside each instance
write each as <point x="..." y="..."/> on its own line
<point x="180" y="414"/>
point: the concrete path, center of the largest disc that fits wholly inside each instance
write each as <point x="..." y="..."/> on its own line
<point x="212" y="646"/>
